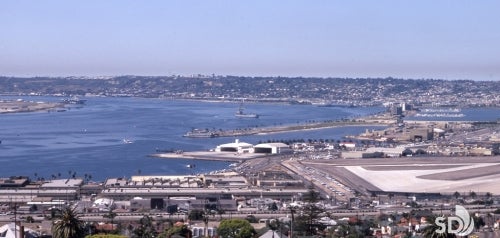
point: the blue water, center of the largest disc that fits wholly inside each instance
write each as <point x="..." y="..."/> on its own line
<point x="89" y="139"/>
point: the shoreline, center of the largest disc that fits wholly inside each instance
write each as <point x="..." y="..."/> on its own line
<point x="292" y="128"/>
<point x="9" y="107"/>
<point x="208" y="156"/>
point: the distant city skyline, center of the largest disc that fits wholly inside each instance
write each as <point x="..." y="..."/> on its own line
<point x="402" y="39"/>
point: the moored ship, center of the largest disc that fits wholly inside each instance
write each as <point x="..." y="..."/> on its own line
<point x="74" y="100"/>
<point x="201" y="133"/>
<point x="241" y="114"/>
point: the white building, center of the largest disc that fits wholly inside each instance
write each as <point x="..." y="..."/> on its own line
<point x="200" y="231"/>
<point x="103" y="204"/>
<point x="236" y="146"/>
<point x="272" y="148"/>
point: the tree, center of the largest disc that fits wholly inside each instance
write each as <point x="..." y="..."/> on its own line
<point x="236" y="228"/>
<point x="68" y="226"/>
<point x="145" y="229"/>
<point x="488" y="195"/>
<point x="273" y="207"/>
<point x="311" y="196"/>
<point x="472" y="194"/>
<point x="309" y="212"/>
<point x="196" y="214"/>
<point x="178" y="230"/>
<point x="105" y="236"/>
<point x="420" y="152"/>
<point x="251" y="219"/>
<point x="273" y="225"/>
<point x="407" y="152"/>
<point x="478" y="222"/>
<point x="110" y="215"/>
<point x="391" y="196"/>
<point x="30" y="219"/>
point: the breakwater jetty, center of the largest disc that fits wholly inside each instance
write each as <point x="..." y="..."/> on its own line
<point x="277" y="129"/>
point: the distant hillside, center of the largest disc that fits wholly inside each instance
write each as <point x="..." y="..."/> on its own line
<point x="357" y="91"/>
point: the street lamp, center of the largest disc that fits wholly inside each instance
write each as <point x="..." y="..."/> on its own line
<point x="205" y="218"/>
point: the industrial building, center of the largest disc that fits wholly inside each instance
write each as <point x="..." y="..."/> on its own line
<point x="272" y="148"/>
<point x="236" y="146"/>
<point x="242" y="148"/>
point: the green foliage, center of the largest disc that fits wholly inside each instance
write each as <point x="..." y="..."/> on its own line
<point x="478" y="222"/>
<point x="30" y="219"/>
<point x="146" y="229"/>
<point x="68" y="226"/>
<point x="251" y="219"/>
<point x="311" y="196"/>
<point x="110" y="215"/>
<point x="236" y="228"/>
<point x="196" y="214"/>
<point x="176" y="230"/>
<point x="273" y="207"/>
<point x="105" y="236"/>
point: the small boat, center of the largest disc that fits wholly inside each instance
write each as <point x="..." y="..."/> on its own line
<point x="127" y="141"/>
<point x="190" y="166"/>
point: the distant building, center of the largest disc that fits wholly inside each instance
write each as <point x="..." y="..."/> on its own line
<point x="277" y="179"/>
<point x="224" y="180"/>
<point x="103" y="204"/>
<point x="421" y="134"/>
<point x="348" y="145"/>
<point x="14" y="181"/>
<point x="389" y="152"/>
<point x="11" y="231"/>
<point x="200" y="231"/>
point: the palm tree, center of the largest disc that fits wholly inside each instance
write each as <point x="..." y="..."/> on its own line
<point x="472" y="194"/>
<point x="68" y="226"/>
<point x="391" y="196"/>
<point x="488" y="196"/>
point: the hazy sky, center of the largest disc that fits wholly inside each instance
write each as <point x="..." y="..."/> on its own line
<point x="454" y="39"/>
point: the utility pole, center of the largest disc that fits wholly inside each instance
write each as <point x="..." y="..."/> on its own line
<point x="292" y="211"/>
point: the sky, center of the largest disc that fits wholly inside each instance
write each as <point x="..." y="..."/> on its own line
<point x="442" y="39"/>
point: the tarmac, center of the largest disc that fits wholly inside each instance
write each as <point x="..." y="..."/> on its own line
<point x="444" y="175"/>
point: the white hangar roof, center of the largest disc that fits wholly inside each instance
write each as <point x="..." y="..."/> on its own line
<point x="272" y="145"/>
